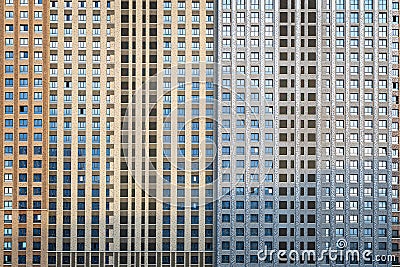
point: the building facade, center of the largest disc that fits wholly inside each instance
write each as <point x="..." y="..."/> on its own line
<point x="81" y="146"/>
<point x="198" y="133"/>
<point x="166" y="154"/>
<point x="120" y="169"/>
<point x="305" y="140"/>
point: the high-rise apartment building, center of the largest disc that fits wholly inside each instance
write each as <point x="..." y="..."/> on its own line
<point x="126" y="185"/>
<point x="305" y="137"/>
<point x="166" y="57"/>
<point x="197" y="133"/>
<point x="268" y="80"/>
<point x="24" y="131"/>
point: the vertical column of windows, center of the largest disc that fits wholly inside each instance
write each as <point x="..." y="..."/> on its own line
<point x="24" y="131"/>
<point x="395" y="128"/>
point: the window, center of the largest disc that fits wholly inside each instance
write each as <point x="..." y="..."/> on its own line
<point x="340" y="17"/>
<point x="340" y="4"/>
<point x="38" y="14"/>
<point x="37" y="96"/>
<point x="368" y="4"/>
<point x="382" y="4"/>
<point x="9" y="55"/>
<point x="9" y="41"/>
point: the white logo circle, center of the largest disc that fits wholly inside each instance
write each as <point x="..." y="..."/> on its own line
<point x="341" y="243"/>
